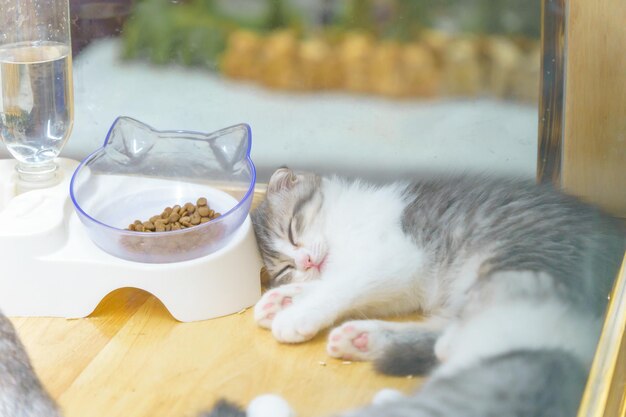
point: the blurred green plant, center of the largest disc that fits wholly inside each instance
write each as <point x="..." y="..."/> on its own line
<point x="403" y="20"/>
<point x="509" y="17"/>
<point x="277" y="15"/>
<point x="192" y="32"/>
<point x="195" y="32"/>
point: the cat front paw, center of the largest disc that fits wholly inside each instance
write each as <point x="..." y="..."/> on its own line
<point x="274" y="301"/>
<point x="295" y="326"/>
<point x="360" y="340"/>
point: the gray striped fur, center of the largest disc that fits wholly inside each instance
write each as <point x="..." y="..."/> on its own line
<point x="526" y="227"/>
<point x="225" y="408"/>
<point x="412" y="353"/>
<point x="21" y="393"/>
<point x="517" y="384"/>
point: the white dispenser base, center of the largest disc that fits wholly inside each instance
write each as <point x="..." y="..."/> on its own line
<point x="51" y="268"/>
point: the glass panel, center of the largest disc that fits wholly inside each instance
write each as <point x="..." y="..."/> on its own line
<point x="382" y="89"/>
<point x="377" y="88"/>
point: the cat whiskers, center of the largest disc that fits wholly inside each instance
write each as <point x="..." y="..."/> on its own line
<point x="319" y="252"/>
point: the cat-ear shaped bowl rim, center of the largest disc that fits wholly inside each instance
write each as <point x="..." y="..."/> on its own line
<point x="244" y="200"/>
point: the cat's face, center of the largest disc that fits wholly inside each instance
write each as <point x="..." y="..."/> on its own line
<point x="288" y="226"/>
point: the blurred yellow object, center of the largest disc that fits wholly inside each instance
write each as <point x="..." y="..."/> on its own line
<point x="422" y="75"/>
<point x="526" y="76"/>
<point x="386" y="75"/>
<point x="503" y="58"/>
<point x="279" y="60"/>
<point x="437" y="64"/>
<point x="462" y="73"/>
<point x="241" y="58"/>
<point x="355" y="56"/>
<point x="319" y="66"/>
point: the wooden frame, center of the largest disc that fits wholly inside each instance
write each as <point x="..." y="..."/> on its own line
<point x="594" y="133"/>
<point x="551" y="91"/>
<point x="582" y="149"/>
<point x="605" y="395"/>
<point x="582" y="129"/>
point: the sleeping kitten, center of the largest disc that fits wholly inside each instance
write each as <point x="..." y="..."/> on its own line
<point x="21" y="393"/>
<point x="512" y="277"/>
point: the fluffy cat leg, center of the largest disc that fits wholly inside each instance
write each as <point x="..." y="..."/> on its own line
<point x="396" y="348"/>
<point x="316" y="310"/>
<point x="277" y="299"/>
<point x="539" y="383"/>
<point x="338" y="296"/>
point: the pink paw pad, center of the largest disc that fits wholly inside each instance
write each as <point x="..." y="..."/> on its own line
<point x="273" y="302"/>
<point x="357" y="340"/>
<point x="348" y="329"/>
<point x="360" y="342"/>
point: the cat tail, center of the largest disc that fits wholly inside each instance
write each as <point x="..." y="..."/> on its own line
<point x="538" y="383"/>
<point x="411" y="354"/>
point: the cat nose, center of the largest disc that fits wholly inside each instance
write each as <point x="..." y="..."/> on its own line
<point x="308" y="263"/>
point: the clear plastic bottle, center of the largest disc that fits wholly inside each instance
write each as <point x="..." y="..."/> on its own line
<point x="36" y="98"/>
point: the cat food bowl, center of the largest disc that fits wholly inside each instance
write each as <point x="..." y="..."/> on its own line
<point x="139" y="171"/>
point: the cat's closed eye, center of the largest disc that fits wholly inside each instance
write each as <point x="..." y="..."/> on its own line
<point x="291" y="233"/>
<point x="283" y="270"/>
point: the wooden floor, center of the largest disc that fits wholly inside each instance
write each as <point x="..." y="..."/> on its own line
<point x="131" y="358"/>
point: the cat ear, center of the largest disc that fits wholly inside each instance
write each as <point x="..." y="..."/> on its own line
<point x="282" y="179"/>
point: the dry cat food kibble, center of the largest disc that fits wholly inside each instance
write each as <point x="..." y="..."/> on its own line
<point x="176" y="218"/>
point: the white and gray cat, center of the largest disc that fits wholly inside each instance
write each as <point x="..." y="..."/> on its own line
<point x="512" y="277"/>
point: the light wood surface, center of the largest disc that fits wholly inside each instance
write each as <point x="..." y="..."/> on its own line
<point x="594" y="146"/>
<point x="130" y="358"/>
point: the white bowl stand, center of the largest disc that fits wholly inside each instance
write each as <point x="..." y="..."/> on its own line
<point x="49" y="266"/>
